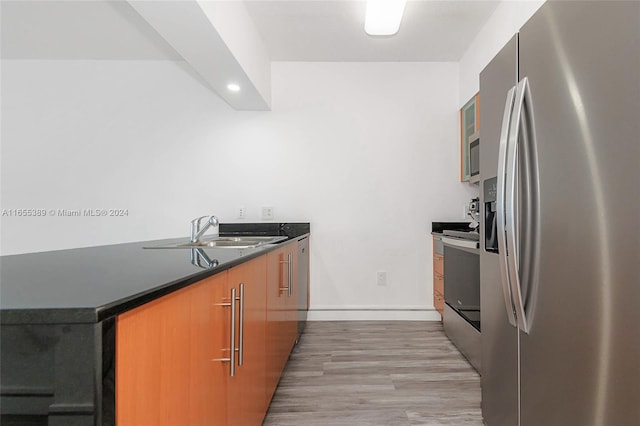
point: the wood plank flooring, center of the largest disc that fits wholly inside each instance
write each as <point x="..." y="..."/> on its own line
<point x="376" y="373"/>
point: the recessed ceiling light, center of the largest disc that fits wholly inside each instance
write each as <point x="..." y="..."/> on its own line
<point x="233" y="87"/>
<point x="383" y="17"/>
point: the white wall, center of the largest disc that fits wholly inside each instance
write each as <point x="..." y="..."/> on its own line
<point x="505" y="21"/>
<point x="367" y="152"/>
<point x="378" y="160"/>
<point x="103" y="134"/>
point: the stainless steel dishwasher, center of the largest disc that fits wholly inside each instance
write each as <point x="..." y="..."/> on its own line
<point x="303" y="284"/>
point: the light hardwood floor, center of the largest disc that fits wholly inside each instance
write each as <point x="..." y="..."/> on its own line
<point x="376" y="373"/>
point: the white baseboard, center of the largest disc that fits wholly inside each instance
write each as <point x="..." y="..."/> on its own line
<point x="372" y="314"/>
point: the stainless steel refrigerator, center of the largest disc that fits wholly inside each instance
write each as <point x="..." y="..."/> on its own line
<point x="560" y="190"/>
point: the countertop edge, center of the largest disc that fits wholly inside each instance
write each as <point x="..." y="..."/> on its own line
<point x="84" y="315"/>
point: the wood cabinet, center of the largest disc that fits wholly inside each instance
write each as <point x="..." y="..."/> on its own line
<point x="282" y="325"/>
<point x="164" y="372"/>
<point x="246" y="391"/>
<point x="174" y="355"/>
<point x="438" y="275"/>
<point x="469" y="124"/>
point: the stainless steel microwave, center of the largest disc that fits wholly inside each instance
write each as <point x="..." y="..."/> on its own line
<point x="474" y="157"/>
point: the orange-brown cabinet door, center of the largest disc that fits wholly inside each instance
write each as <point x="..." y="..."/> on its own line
<point x="219" y="357"/>
<point x="164" y="372"/>
<point x="292" y="312"/>
<point x="277" y="297"/>
<point x="246" y="405"/>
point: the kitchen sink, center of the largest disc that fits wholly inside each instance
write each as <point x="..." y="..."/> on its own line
<point x="225" y="242"/>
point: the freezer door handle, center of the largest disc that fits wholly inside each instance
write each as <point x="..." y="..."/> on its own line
<point x="521" y="189"/>
<point x="500" y="206"/>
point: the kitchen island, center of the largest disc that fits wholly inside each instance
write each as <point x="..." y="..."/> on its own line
<point x="59" y="312"/>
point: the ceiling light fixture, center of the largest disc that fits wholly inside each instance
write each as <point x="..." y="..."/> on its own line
<point x="232" y="87"/>
<point x="383" y="17"/>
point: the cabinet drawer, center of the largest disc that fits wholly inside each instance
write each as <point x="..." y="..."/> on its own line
<point x="438" y="247"/>
<point x="438" y="265"/>
<point x="438" y="283"/>
<point x="438" y="302"/>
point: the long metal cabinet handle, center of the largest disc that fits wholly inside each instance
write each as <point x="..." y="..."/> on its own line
<point x="241" y="333"/>
<point x="290" y="269"/>
<point x="232" y="340"/>
<point x="500" y="206"/>
<point x="288" y="287"/>
<point x="513" y="227"/>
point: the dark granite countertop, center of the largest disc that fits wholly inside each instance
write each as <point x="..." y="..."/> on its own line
<point x="87" y="285"/>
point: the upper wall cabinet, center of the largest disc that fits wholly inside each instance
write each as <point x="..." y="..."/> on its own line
<point x="469" y="125"/>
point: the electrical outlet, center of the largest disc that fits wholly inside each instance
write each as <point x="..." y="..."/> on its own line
<point x="465" y="211"/>
<point x="382" y="278"/>
<point x="267" y="213"/>
<point x="242" y="213"/>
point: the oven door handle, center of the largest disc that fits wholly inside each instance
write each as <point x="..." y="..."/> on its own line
<point x="468" y="244"/>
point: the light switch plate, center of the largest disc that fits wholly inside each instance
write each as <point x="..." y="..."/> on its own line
<point x="267" y="213"/>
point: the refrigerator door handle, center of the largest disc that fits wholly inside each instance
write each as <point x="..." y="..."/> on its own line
<point x="500" y="207"/>
<point x="513" y="217"/>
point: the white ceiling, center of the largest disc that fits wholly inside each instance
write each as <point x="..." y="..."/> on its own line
<point x="321" y="30"/>
<point x="292" y="30"/>
<point x="84" y="29"/>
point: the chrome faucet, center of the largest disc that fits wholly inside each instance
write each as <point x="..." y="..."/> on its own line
<point x="197" y="230"/>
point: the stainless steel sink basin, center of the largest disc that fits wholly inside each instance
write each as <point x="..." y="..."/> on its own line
<point x="226" y="242"/>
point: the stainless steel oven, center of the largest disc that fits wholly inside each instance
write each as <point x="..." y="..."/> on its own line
<point x="462" y="293"/>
